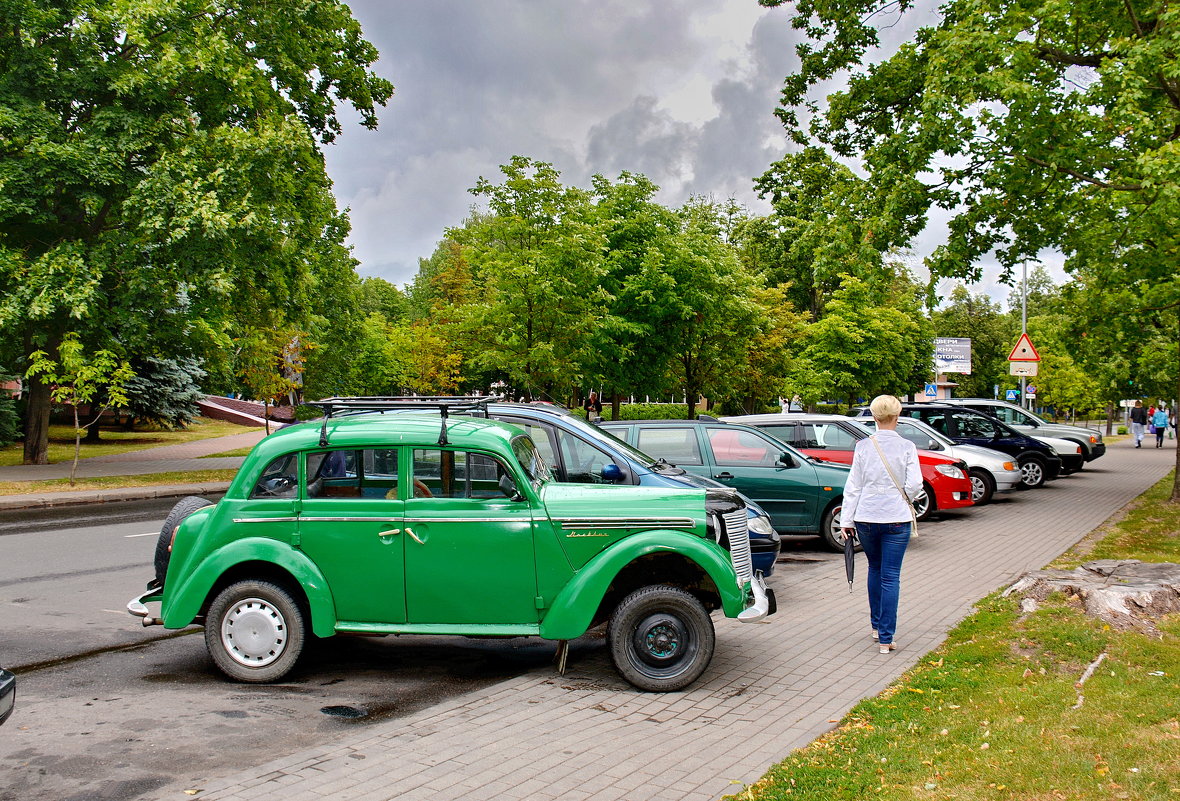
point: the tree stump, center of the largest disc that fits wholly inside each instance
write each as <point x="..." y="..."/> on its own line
<point x="1124" y="593"/>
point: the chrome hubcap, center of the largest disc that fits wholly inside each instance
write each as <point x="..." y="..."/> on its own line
<point x="921" y="503"/>
<point x="254" y="632"/>
<point x="1031" y="473"/>
<point x="978" y="488"/>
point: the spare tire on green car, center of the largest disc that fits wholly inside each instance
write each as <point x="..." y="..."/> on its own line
<point x="183" y="508"/>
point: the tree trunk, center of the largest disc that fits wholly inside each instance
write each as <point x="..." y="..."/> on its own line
<point x="616" y="401"/>
<point x="1109" y="418"/>
<point x="92" y="432"/>
<point x="77" y="445"/>
<point x="1176" y="472"/>
<point x="37" y="422"/>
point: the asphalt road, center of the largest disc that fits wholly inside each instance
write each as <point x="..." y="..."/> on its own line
<point x="111" y="711"/>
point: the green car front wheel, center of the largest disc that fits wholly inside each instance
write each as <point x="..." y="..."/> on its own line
<point x="661" y="638"/>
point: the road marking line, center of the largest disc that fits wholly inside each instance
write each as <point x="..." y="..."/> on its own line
<point x="149" y="534"/>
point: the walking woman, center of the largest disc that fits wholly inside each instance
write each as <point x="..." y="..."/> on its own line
<point x="878" y="508"/>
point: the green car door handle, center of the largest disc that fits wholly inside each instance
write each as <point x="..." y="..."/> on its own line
<point x="393" y="532"/>
<point x="410" y="531"/>
<point x="723" y="476"/>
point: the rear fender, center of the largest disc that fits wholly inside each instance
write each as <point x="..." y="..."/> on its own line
<point x="573" y="610"/>
<point x="184" y="599"/>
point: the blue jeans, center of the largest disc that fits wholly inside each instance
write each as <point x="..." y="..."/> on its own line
<point x="884" y="544"/>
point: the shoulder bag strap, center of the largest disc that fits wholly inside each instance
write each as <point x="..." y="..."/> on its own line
<point x="896" y="483"/>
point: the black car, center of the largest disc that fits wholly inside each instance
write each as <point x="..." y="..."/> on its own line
<point x="1038" y="462"/>
<point x="7" y="694"/>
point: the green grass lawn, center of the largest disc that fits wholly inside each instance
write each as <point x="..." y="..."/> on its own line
<point x="994" y="713"/>
<point x="61" y="440"/>
<point x="116" y="482"/>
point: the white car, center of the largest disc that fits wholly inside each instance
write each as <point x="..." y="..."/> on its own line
<point x="990" y="471"/>
<point x="1071" y="453"/>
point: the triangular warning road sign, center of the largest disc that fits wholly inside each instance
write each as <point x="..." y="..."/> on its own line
<point x="1024" y="351"/>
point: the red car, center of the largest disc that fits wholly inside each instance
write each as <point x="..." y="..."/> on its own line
<point x="831" y="438"/>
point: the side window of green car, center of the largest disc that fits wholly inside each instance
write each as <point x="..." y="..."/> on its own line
<point x="370" y="473"/>
<point x="280" y="479"/>
<point x="456" y="474"/>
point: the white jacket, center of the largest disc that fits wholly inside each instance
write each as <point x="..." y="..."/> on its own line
<point x="870" y="496"/>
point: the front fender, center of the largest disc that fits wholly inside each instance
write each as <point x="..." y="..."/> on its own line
<point x="181" y="606"/>
<point x="573" y="610"/>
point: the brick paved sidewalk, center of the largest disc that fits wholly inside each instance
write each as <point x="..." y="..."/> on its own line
<point x="773" y="686"/>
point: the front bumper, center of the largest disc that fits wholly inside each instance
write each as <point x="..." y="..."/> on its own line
<point x="1071" y="462"/>
<point x="1096" y="451"/>
<point x="137" y="606"/>
<point x="764" y="602"/>
<point x="1053" y="468"/>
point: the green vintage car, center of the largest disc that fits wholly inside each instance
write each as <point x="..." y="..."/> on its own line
<point x="404" y="523"/>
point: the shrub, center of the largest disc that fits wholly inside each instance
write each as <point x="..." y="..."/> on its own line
<point x="1122" y="429"/>
<point x="9" y="421"/>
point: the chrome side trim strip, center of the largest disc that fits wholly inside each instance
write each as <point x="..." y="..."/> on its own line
<point x="317" y="519"/>
<point x="529" y="519"/>
<point x="573" y="524"/>
<point x="266" y="519"/>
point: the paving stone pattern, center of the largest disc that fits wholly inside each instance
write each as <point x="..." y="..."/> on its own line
<point x="772" y="687"/>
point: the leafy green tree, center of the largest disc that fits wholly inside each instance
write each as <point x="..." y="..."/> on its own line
<point x="380" y="296"/>
<point x="872" y="340"/>
<point x="379" y="358"/>
<point x="709" y="309"/>
<point x="627" y="353"/>
<point x="263" y="364"/>
<point x="162" y="171"/>
<point x="769" y="356"/>
<point x="77" y="379"/>
<point x="537" y="257"/>
<point x="1039" y="126"/>
<point x="823" y="225"/>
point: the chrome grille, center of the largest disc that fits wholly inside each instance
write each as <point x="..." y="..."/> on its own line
<point x="737" y="532"/>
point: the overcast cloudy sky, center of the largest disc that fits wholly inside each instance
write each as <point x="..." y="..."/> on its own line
<point x="683" y="91"/>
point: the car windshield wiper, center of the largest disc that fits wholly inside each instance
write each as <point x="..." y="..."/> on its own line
<point x="662" y="465"/>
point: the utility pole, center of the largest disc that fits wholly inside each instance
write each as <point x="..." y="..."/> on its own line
<point x="1023" y="324"/>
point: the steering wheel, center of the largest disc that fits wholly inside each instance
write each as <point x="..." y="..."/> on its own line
<point x="420" y="491"/>
<point x="278" y="486"/>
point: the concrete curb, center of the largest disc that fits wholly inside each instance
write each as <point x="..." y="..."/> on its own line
<point x="45" y="500"/>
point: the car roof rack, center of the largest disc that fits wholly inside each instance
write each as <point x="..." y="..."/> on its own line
<point x="444" y="404"/>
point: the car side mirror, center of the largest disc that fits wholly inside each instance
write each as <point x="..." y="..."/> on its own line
<point x="931" y="445"/>
<point x="508" y="487"/>
<point x="612" y="473"/>
<point x="786" y="460"/>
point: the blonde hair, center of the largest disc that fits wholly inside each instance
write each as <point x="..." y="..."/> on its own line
<point x="885" y="408"/>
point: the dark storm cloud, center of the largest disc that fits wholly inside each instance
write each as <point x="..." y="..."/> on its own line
<point x="592" y="87"/>
<point x="641" y="138"/>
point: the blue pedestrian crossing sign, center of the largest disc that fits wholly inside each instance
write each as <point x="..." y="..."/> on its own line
<point x="1012" y="394"/>
<point x="931" y="390"/>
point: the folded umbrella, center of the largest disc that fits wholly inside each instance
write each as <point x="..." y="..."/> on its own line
<point x="849" y="559"/>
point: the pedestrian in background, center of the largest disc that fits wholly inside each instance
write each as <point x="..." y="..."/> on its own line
<point x="878" y="508"/>
<point x="1160" y="421"/>
<point x="593" y="407"/>
<point x="1138" y="422"/>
